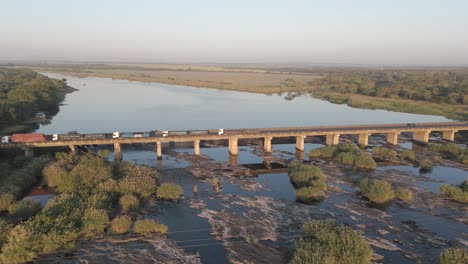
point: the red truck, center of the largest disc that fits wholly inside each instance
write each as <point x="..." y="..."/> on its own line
<point x="24" y="138"/>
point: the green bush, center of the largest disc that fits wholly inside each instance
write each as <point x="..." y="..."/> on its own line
<point x="454" y="256"/>
<point x="455" y="193"/>
<point x="4" y="228"/>
<point x="129" y="203"/>
<point x="347" y="158"/>
<point x="464" y="186"/>
<point x="327" y="151"/>
<point x="425" y="165"/>
<point x="146" y="227"/>
<point x="293" y="165"/>
<point x="23" y="210"/>
<point x="22" y="245"/>
<point x="376" y="191"/>
<point x="365" y="161"/>
<point x="309" y="194"/>
<point x="330" y="242"/>
<point x="54" y="173"/>
<point x="141" y="185"/>
<point x="94" y="222"/>
<point x="408" y="155"/>
<point x="384" y="153"/>
<point x="121" y="224"/>
<point x="405" y="195"/>
<point x="6" y="200"/>
<point x="100" y="200"/>
<point x="314" y="153"/>
<point x="169" y="191"/>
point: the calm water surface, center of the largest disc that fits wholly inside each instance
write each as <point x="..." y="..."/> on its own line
<point x="106" y="105"/>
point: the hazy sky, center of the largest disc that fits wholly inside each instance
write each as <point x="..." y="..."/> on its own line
<point x="306" y="31"/>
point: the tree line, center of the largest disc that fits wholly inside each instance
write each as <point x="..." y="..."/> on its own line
<point x="439" y="86"/>
<point x="24" y="92"/>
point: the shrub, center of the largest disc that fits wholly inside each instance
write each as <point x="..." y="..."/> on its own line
<point x="425" y="165"/>
<point x="347" y="158"/>
<point x="94" y="222"/>
<point x="384" y="153"/>
<point x="6" y="200"/>
<point x="330" y="242"/>
<point x="69" y="183"/>
<point x="21" y="247"/>
<point x="144" y="186"/>
<point x="4" y="228"/>
<point x="376" y="191"/>
<point x="404" y="194"/>
<point x="454" y="256"/>
<point x="121" y="224"/>
<point x="327" y="151"/>
<point x="147" y="226"/>
<point x="129" y="203"/>
<point x="169" y="191"/>
<point x="314" y="153"/>
<point x="309" y="194"/>
<point x="408" y="155"/>
<point x="23" y="210"/>
<point x="365" y="161"/>
<point x="54" y="173"/>
<point x="455" y="193"/>
<point x="464" y="186"/>
<point x="99" y="200"/>
<point x="293" y="165"/>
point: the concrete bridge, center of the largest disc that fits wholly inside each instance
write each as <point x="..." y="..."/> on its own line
<point x="420" y="133"/>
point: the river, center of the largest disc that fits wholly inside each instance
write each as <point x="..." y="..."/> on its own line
<point x="220" y="227"/>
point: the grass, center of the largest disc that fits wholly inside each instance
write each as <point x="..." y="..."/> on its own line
<point x="384" y="153"/>
<point x="330" y="242"/>
<point x="456" y="193"/>
<point x="454" y="256"/>
<point x="146" y="227"/>
<point x="94" y="221"/>
<point x="121" y="224"/>
<point x="377" y="191"/>
<point x="169" y="191"/>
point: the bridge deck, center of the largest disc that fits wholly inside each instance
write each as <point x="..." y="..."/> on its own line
<point x="259" y="133"/>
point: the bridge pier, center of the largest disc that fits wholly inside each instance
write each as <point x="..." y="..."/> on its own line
<point x="72" y="149"/>
<point x="421" y="136"/>
<point x="267" y="144"/>
<point x="300" y="143"/>
<point x="299" y="154"/>
<point x="392" y="138"/>
<point x="196" y="147"/>
<point x="158" y="150"/>
<point x="118" y="151"/>
<point x="363" y="140"/>
<point x="28" y="152"/>
<point x="267" y="161"/>
<point x="233" y="159"/>
<point x="333" y="139"/>
<point x="233" y="146"/>
<point x="449" y="135"/>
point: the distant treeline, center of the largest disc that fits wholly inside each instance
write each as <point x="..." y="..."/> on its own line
<point x="438" y="86"/>
<point x="24" y="92"/>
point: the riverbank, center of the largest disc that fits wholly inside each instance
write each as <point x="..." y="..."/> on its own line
<point x="292" y="84"/>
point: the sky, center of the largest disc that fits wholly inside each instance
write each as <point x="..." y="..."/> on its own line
<point x="397" y="32"/>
